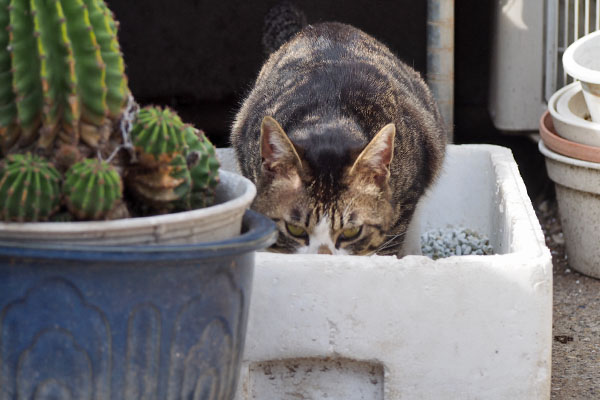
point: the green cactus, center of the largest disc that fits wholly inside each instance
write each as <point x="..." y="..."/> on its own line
<point x="92" y="189"/>
<point x="203" y="166"/>
<point x="157" y="135"/>
<point x="60" y="64"/>
<point x="29" y="188"/>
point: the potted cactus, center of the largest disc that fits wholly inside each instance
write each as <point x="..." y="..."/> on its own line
<point x="123" y="273"/>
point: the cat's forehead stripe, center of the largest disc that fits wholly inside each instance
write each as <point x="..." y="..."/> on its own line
<point x="333" y="217"/>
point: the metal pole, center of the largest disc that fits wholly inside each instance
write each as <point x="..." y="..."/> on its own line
<point x="587" y="17"/>
<point x="440" y="57"/>
<point x="550" y="85"/>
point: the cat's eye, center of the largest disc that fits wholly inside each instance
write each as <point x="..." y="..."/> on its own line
<point x="351" y="233"/>
<point x="295" y="230"/>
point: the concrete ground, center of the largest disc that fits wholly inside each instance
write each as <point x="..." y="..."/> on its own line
<point x="576" y="325"/>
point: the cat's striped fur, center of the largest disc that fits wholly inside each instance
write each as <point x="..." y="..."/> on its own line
<point x="338" y="135"/>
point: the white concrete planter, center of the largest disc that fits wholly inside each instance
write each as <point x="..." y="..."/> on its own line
<point x="465" y="327"/>
<point x="218" y="222"/>
<point x="578" y="195"/>
<point x="581" y="60"/>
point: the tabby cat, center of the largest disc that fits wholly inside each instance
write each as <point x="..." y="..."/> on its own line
<point x="341" y="139"/>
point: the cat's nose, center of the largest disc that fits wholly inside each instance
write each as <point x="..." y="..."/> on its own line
<point x="324" y="249"/>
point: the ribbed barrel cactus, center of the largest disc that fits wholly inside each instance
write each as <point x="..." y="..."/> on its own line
<point x="66" y="117"/>
<point x="62" y="74"/>
<point x="92" y="189"/>
<point x="29" y="188"/>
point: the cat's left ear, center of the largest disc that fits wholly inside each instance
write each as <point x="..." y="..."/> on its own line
<point x="376" y="158"/>
<point x="276" y="148"/>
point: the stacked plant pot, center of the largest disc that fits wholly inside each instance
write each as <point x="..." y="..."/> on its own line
<point x="570" y="132"/>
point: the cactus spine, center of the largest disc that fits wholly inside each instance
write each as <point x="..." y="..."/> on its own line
<point x="29" y="188"/>
<point x="92" y="189"/>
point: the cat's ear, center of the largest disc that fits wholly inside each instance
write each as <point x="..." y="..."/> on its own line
<point x="276" y="148"/>
<point x="375" y="159"/>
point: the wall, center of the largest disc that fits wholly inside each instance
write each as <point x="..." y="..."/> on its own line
<point x="202" y="56"/>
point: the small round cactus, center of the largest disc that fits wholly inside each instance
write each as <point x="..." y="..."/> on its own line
<point x="29" y="188"/>
<point x="203" y="166"/>
<point x="92" y="189"/>
<point x="157" y="136"/>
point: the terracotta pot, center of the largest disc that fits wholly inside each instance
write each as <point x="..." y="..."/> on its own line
<point x="563" y="146"/>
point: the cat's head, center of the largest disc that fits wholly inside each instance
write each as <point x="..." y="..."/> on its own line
<point x="334" y="202"/>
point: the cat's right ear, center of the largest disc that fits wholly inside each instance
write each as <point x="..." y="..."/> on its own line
<point x="276" y="149"/>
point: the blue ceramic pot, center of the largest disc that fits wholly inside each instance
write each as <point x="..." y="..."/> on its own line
<point x="107" y="323"/>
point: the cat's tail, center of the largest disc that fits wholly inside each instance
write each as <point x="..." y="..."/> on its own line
<point x="282" y="22"/>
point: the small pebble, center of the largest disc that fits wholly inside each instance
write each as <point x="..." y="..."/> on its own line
<point x="558" y="238"/>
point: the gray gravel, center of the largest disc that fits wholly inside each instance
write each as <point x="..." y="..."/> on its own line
<point x="446" y="242"/>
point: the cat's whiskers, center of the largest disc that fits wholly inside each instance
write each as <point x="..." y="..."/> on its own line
<point x="387" y="244"/>
<point x="348" y="211"/>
